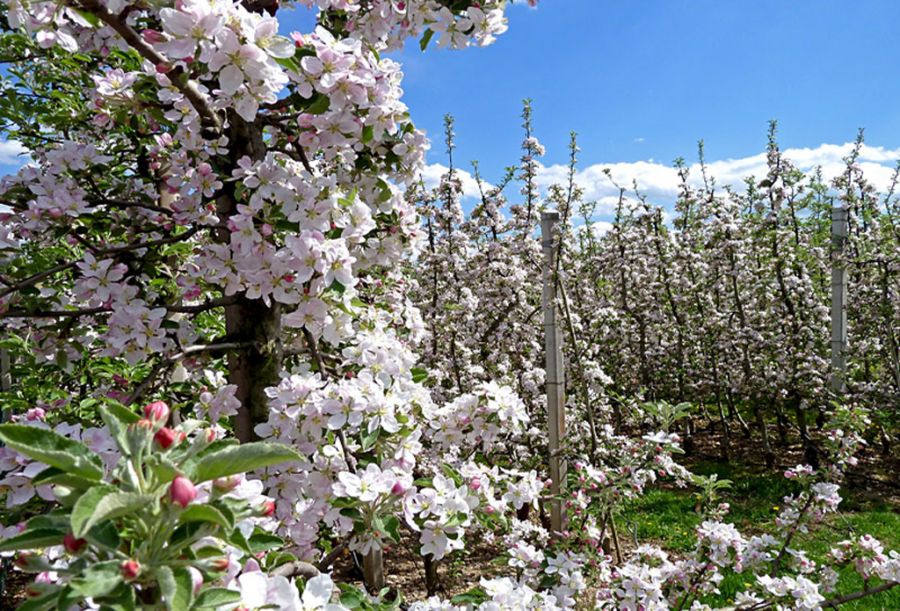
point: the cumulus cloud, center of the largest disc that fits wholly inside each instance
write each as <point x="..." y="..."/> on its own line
<point x="660" y="182"/>
<point x="11" y="152"/>
<point x="432" y="173"/>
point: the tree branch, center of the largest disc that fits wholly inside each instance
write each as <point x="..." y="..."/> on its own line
<point x="209" y="304"/>
<point x="35" y="278"/>
<point x="834" y="603"/>
<point x="54" y="313"/>
<point x="165" y="363"/>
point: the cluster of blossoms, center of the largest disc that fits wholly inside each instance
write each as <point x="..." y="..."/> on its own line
<point x="478" y="419"/>
<point x="207" y="93"/>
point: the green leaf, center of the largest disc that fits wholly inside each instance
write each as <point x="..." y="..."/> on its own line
<point x="104" y="503"/>
<point x="319" y="104"/>
<point x="120" y="599"/>
<point x="117" y="419"/>
<point x="217" y="445"/>
<point x="241" y="459"/>
<point x="238" y="540"/>
<point x="351" y="597"/>
<point x="42" y="602"/>
<point x="216" y="597"/>
<point x="419" y="374"/>
<point x="33" y="539"/>
<point x="56" y="519"/>
<point x="68" y="598"/>
<point x="52" y="449"/>
<point x="475" y="596"/>
<point x="52" y="475"/>
<point x="263" y="542"/>
<point x="177" y="588"/>
<point x="104" y="535"/>
<point x="368" y="133"/>
<point x="369" y="441"/>
<point x="98" y="579"/>
<point x="392" y="528"/>
<point x="90" y="17"/>
<point x="204" y="513"/>
<point x="426" y="38"/>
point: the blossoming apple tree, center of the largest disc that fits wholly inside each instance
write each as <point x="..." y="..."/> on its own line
<point x="204" y="186"/>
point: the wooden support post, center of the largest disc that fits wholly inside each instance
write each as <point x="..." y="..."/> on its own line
<point x="555" y="368"/>
<point x="838" y="300"/>
<point x="373" y="570"/>
<point x="5" y="380"/>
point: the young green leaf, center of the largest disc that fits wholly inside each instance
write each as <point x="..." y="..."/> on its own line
<point x="98" y="579"/>
<point x="104" y="503"/>
<point x="216" y="597"/>
<point x="33" y="539"/>
<point x="205" y="513"/>
<point x="241" y="459"/>
<point x="52" y="449"/>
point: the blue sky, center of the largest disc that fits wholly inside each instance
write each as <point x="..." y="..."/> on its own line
<point x="642" y="82"/>
<point x="646" y="80"/>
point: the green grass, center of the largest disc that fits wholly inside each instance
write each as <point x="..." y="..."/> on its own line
<point x="666" y="517"/>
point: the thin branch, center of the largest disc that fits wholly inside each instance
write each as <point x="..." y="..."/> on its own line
<point x="116" y="203"/>
<point x="35" y="278"/>
<point x="181" y="237"/>
<point x="834" y="603"/>
<point x="209" y="304"/>
<point x="214" y="347"/>
<point x="54" y="313"/>
<point x="320" y="365"/>
<point x="168" y="362"/>
<point x="296" y="568"/>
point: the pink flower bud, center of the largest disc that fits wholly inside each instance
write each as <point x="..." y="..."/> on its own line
<point x="73" y="545"/>
<point x="35" y="413"/>
<point x="152" y="36"/>
<point x="157" y="411"/>
<point x="398" y="489"/>
<point x="143" y="423"/>
<point x="267" y="509"/>
<point x="165" y="437"/>
<point x="130" y="570"/>
<point x="182" y="491"/>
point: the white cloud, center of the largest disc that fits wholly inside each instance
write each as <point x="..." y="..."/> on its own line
<point x="10" y="152"/>
<point x="660" y="182"/>
<point x="432" y="177"/>
<point x="601" y="228"/>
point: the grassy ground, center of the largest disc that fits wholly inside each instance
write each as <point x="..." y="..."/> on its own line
<point x="667" y="517"/>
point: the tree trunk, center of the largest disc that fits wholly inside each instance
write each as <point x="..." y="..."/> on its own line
<point x="249" y="320"/>
<point x="764" y="433"/>
<point x="255" y="368"/>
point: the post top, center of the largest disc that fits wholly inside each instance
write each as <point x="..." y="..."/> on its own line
<point x="550" y="214"/>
